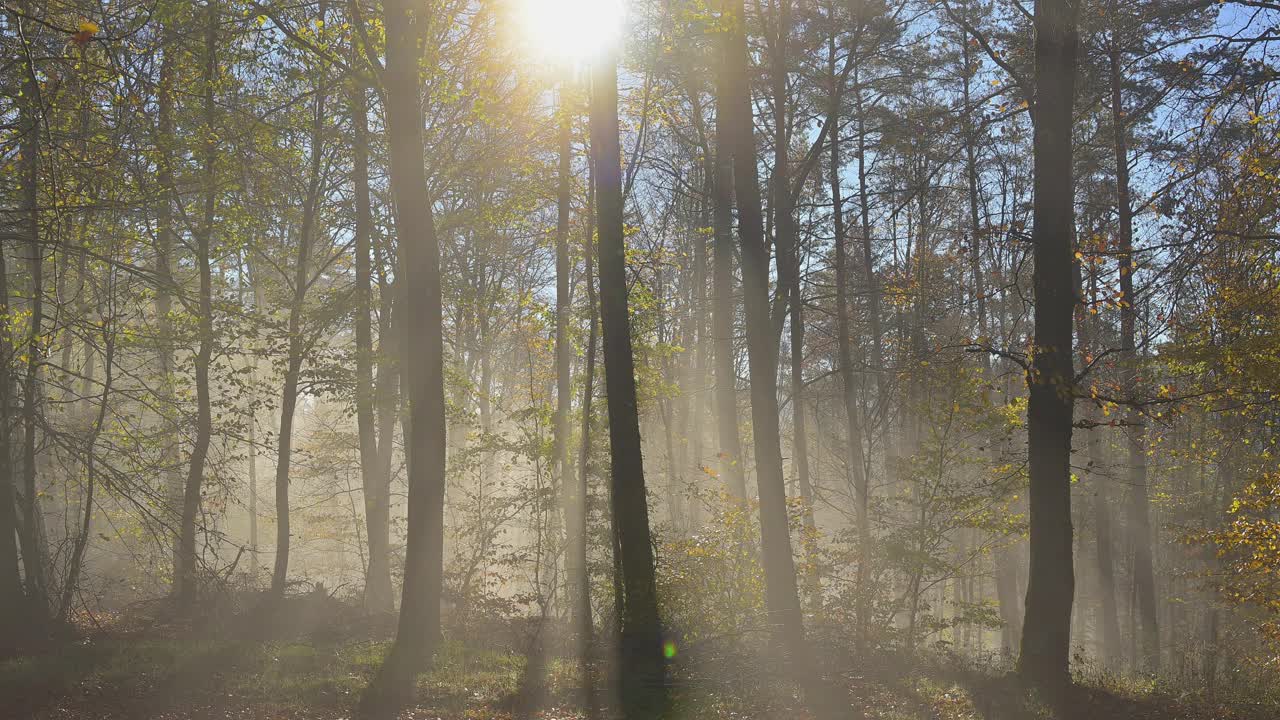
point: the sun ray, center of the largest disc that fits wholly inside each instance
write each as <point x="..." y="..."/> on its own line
<point x="569" y="30"/>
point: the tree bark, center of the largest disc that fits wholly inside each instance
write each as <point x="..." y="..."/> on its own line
<point x="12" y="597"/>
<point x="417" y="634"/>
<point x="722" y="312"/>
<point x="583" y="597"/>
<point x="33" y="552"/>
<point x="849" y="395"/>
<point x="641" y="668"/>
<point x="1109" y="647"/>
<point x="781" y="595"/>
<point x="1046" y="635"/>
<point x="1108" y="617"/>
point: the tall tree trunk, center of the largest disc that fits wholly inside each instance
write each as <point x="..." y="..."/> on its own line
<point x="423" y="365"/>
<point x="641" y="668"/>
<point x="849" y="394"/>
<point x="386" y="391"/>
<point x="1108" y="616"/>
<point x="726" y="376"/>
<point x="297" y="345"/>
<point x="187" y="589"/>
<point x="1109" y="647"/>
<point x="377" y="580"/>
<point x="33" y="552"/>
<point x="1046" y="634"/>
<point x="1137" y="504"/>
<point x="572" y="486"/>
<point x="782" y="596"/>
<point x="785" y="223"/>
<point x="12" y="597"/>
<point x="582" y="598"/>
<point x="702" y="404"/>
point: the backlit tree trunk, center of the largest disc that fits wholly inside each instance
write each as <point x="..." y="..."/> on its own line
<point x="722" y="312"/>
<point x="418" y="632"/>
<point x="782" y="596"/>
<point x="641" y="669"/>
<point x="31" y="537"/>
<point x="1046" y="634"/>
<point x="12" y="597"/>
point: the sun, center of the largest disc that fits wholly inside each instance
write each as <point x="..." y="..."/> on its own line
<point x="569" y="30"/>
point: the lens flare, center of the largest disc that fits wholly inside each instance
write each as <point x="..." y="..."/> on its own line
<point x="569" y="30"/>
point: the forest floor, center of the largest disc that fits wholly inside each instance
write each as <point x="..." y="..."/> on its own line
<point x="160" y="672"/>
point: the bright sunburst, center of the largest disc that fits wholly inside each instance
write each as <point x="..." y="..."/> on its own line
<point x="569" y="30"/>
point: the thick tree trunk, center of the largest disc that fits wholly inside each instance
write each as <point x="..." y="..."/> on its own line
<point x="418" y="632"/>
<point x="33" y="552"/>
<point x="722" y="312"/>
<point x="1046" y="634"/>
<point x="12" y="597"/>
<point x="1137" y="503"/>
<point x="781" y="595"/>
<point x="641" y="668"/>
